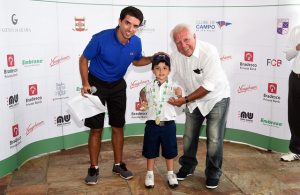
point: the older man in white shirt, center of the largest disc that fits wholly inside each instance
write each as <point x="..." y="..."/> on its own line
<point x="198" y="64"/>
<point x="292" y="53"/>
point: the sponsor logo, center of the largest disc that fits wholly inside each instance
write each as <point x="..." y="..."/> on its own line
<point x="62" y="120"/>
<point x="32" y="127"/>
<point x="205" y="25"/>
<point x="60" y="91"/>
<point x="12" y="101"/>
<point x="271" y="123"/>
<point x="14" y="20"/>
<point x="138" y="83"/>
<point x="246" y="88"/>
<point x="270" y="97"/>
<point x="33" y="91"/>
<point x="282" y="26"/>
<point x="272" y="88"/>
<point x="248" y="57"/>
<point x="16" y="138"/>
<point x="144" y="28"/>
<point x="58" y="60"/>
<point x="79" y="24"/>
<point x="274" y="62"/>
<point x="10" y="72"/>
<point x="15" y="130"/>
<point x="245" y="116"/>
<point x="223" y="23"/>
<point x="10" y="60"/>
<point x="225" y="58"/>
<point x="32" y="62"/>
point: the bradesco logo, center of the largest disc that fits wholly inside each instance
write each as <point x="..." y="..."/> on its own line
<point x="272" y="89"/>
<point x="33" y="91"/>
<point x="11" y="71"/>
<point x="139" y="113"/>
<point x="15" y="130"/>
<point x="15" y="134"/>
<point x="10" y="60"/>
<point x="248" y="57"/>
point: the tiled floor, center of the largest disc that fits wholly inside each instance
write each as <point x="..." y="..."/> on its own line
<point x="246" y="170"/>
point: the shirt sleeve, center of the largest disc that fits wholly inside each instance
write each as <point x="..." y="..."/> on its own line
<point x="139" y="50"/>
<point x="212" y="70"/>
<point x="290" y="51"/>
<point x="92" y="49"/>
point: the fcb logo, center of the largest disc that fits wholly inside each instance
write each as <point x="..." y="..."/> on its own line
<point x="282" y="26"/>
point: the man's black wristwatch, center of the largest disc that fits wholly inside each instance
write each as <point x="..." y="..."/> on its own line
<point x="186" y="99"/>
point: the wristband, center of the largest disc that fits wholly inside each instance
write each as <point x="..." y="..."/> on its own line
<point x="186" y="99"/>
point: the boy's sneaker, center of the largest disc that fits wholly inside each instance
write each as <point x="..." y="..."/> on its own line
<point x="290" y="157"/>
<point x="122" y="171"/>
<point x="182" y="174"/>
<point x="212" y="183"/>
<point x="172" y="180"/>
<point x="92" y="177"/>
<point x="149" y="180"/>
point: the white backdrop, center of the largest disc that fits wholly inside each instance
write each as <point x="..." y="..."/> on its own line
<point x="41" y="42"/>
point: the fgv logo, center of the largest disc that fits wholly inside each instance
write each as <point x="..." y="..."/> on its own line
<point x="248" y="56"/>
<point x="15" y="130"/>
<point x="10" y="60"/>
<point x="272" y="88"/>
<point x="274" y="62"/>
<point x="32" y="89"/>
<point x="62" y="120"/>
<point x="282" y="26"/>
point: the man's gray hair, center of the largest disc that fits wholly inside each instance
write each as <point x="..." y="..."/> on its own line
<point x="180" y="27"/>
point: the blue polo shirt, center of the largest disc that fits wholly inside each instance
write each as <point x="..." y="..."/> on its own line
<point x="109" y="58"/>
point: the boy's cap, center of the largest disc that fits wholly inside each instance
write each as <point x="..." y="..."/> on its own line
<point x="160" y="58"/>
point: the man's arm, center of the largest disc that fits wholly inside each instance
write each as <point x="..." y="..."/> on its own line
<point x="198" y="93"/>
<point x="143" y="61"/>
<point x="83" y="68"/>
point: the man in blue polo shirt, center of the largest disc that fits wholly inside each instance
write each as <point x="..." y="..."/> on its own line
<point x="110" y="52"/>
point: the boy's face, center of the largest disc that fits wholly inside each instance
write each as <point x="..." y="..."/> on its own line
<point x="161" y="72"/>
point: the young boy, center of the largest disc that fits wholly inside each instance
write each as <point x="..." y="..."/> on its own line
<point x="160" y="127"/>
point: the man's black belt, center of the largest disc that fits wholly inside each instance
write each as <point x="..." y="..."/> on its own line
<point x="161" y="123"/>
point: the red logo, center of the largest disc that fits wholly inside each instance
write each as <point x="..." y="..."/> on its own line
<point x="137" y="106"/>
<point x="10" y="60"/>
<point x="248" y="56"/>
<point x="79" y="24"/>
<point x="33" y="90"/>
<point x="272" y="88"/>
<point x="15" y="130"/>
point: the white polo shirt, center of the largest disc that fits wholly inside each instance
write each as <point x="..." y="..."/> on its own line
<point x="204" y="69"/>
<point x="291" y="52"/>
<point x="156" y="97"/>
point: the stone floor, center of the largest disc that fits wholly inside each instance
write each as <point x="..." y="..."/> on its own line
<point x="246" y="170"/>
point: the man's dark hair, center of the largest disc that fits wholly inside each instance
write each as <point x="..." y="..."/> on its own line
<point x="132" y="11"/>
